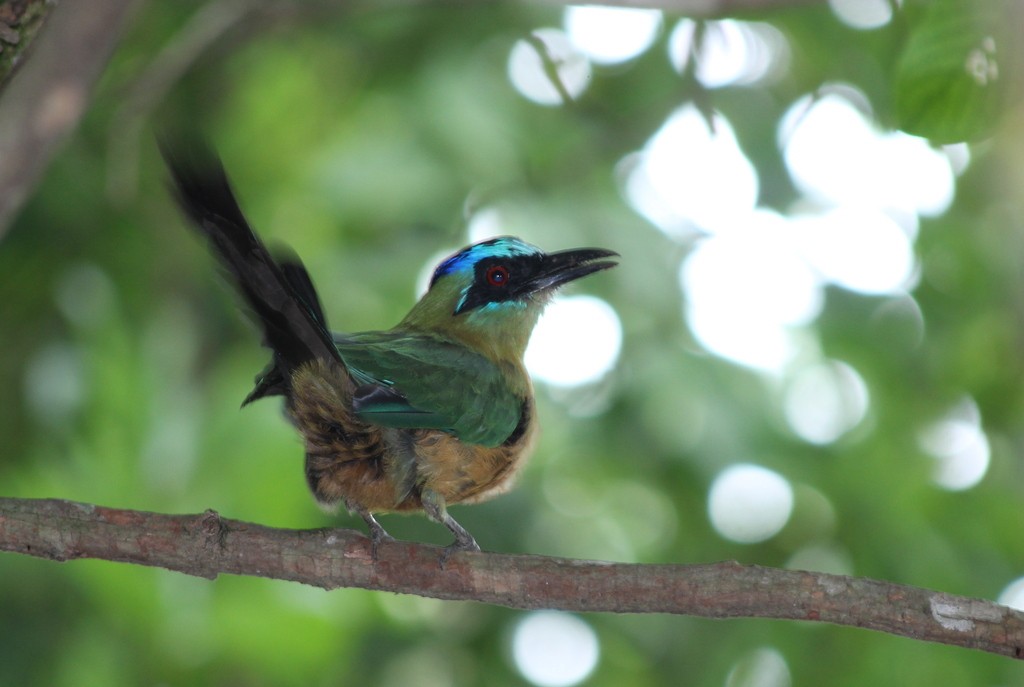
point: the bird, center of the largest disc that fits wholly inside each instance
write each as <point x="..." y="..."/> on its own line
<point x="435" y="411"/>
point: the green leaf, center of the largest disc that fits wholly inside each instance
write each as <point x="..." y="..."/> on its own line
<point x="951" y="81"/>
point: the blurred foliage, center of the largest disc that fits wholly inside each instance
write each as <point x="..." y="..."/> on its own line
<point x="936" y="96"/>
<point x="364" y="140"/>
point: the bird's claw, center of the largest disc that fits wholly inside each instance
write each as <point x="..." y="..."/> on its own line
<point x="433" y="504"/>
<point x="378" y="537"/>
<point x="378" y="534"/>
<point x="460" y="544"/>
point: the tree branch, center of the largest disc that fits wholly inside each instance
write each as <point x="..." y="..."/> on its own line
<point x="50" y="90"/>
<point x="19" y="23"/>
<point x="208" y="545"/>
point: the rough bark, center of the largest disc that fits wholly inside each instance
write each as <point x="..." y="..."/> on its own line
<point x="207" y="545"/>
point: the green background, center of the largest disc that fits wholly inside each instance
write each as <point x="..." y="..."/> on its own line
<point x="358" y="138"/>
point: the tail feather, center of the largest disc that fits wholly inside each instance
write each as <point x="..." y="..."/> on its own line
<point x="270" y="381"/>
<point x="285" y="305"/>
<point x="298" y="278"/>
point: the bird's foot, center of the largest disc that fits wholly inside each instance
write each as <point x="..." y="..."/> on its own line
<point x="463" y="542"/>
<point x="433" y="505"/>
<point x="376" y="539"/>
<point x="378" y="535"/>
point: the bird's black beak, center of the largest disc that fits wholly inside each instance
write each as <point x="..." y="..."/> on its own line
<point x="565" y="266"/>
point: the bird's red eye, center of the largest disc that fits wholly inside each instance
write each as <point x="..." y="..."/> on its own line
<point x="497" y="275"/>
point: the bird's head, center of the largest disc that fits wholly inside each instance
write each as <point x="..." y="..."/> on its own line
<point x="490" y="294"/>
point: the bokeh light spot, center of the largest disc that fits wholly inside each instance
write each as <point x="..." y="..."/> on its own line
<point x="689" y="174"/>
<point x="526" y="68"/>
<point x="553" y="649"/>
<point x="751" y="294"/>
<point x="764" y="667"/>
<point x="959" y="446"/>
<point x="959" y="156"/>
<point x="981" y="64"/>
<point x="55" y="384"/>
<point x="757" y="342"/>
<point x="862" y="14"/>
<point x="1013" y="594"/>
<point x="824" y="401"/>
<point x="731" y="52"/>
<point x="860" y="249"/>
<point x="838" y="157"/>
<point x="576" y="341"/>
<point x="749" y="503"/>
<point x="484" y="224"/>
<point x="85" y="295"/>
<point x="752" y="273"/>
<point x="609" y="35"/>
<point x="747" y="291"/>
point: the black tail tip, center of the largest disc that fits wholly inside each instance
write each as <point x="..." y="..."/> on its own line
<point x="190" y="158"/>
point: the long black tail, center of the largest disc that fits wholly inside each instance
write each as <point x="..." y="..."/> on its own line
<point x="280" y="295"/>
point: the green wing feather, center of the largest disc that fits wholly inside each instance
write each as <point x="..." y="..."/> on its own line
<point x="419" y="381"/>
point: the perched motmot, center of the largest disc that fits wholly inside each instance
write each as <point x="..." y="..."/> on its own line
<point x="435" y="411"/>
